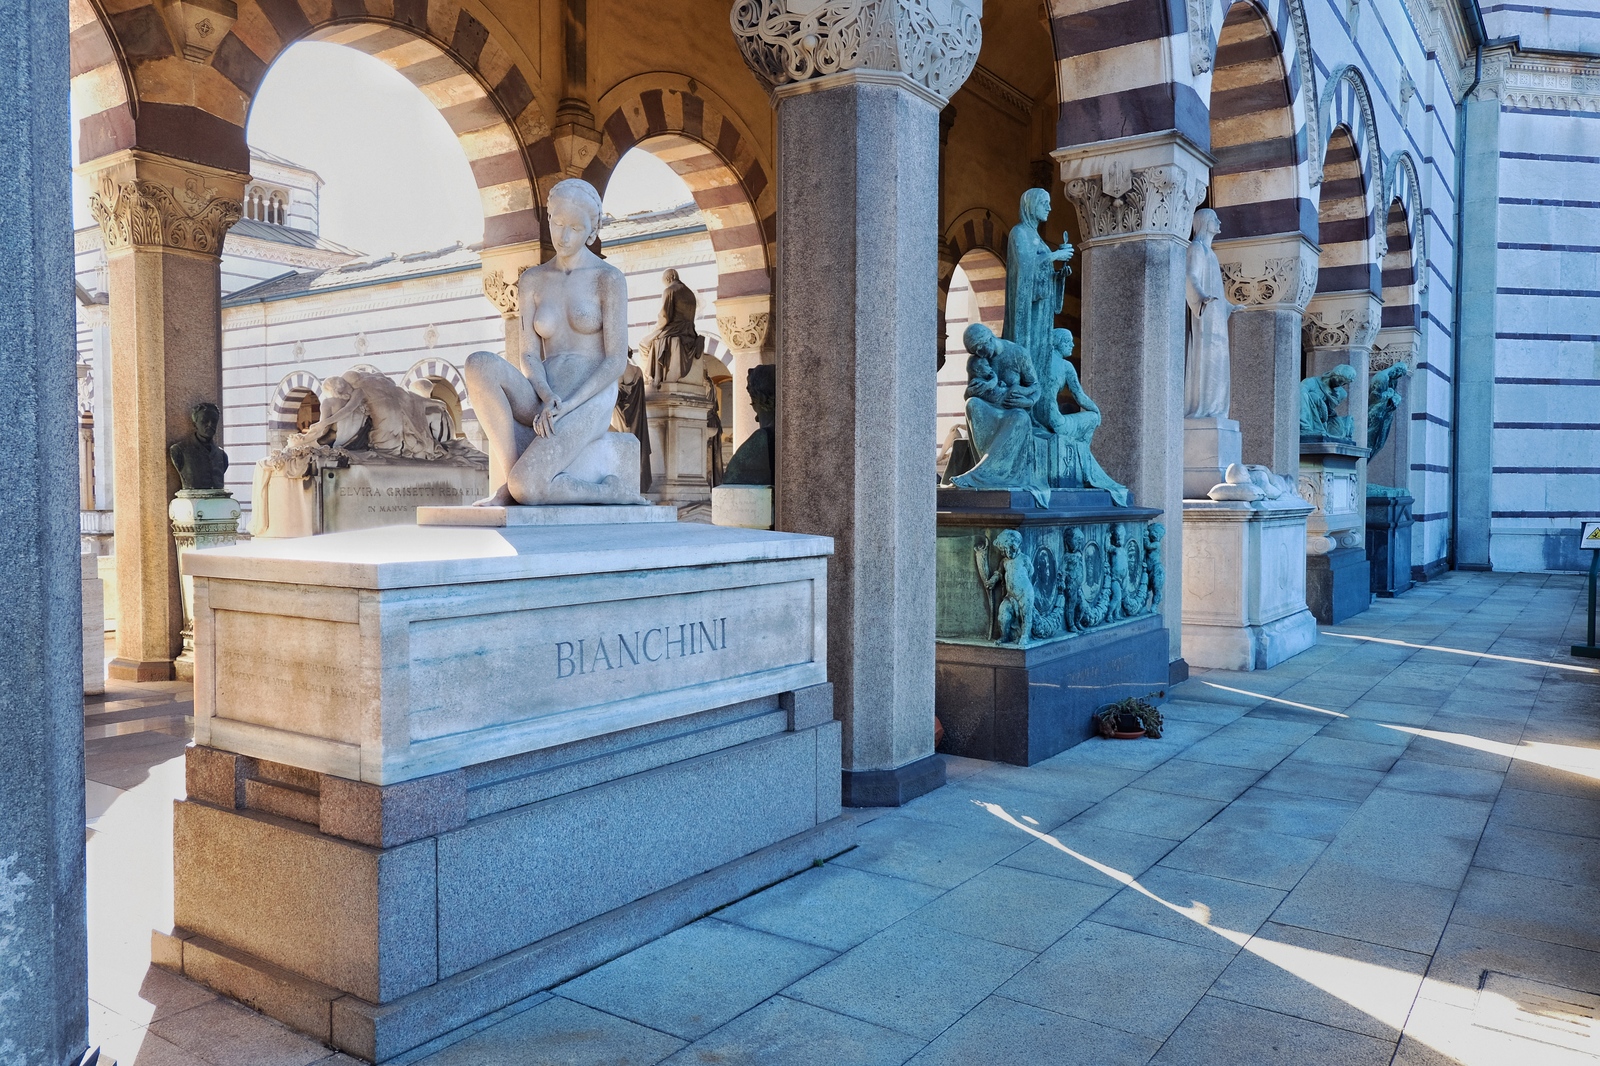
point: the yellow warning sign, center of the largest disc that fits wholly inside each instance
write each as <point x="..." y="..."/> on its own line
<point x="1590" y="537"/>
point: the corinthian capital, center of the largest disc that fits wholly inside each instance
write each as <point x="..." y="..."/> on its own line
<point x="1340" y="328"/>
<point x="1277" y="272"/>
<point x="931" y="43"/>
<point x="143" y="201"/>
<point x="1138" y="187"/>
<point x="501" y="293"/>
<point x="743" y="321"/>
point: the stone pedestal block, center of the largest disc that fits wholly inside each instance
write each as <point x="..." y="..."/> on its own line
<point x="679" y="460"/>
<point x="1389" y="525"/>
<point x="1337" y="585"/>
<point x="201" y="518"/>
<point x="746" y="506"/>
<point x="1019" y="681"/>
<point x="1244" y="583"/>
<point x="1023" y="705"/>
<point x="444" y="767"/>
<point x="94" y="624"/>
<point x="1210" y="446"/>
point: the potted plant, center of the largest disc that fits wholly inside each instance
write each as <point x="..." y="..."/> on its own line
<point x="1129" y="719"/>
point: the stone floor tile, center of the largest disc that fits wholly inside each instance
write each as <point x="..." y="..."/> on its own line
<point x="1349" y="752"/>
<point x="1449" y="748"/>
<point x="1208" y="912"/>
<point x="1218" y="1031"/>
<point x="1250" y="855"/>
<point x="1017" y="907"/>
<point x="1391" y="711"/>
<point x="1157" y="814"/>
<point x="696" y="979"/>
<point x="1063" y="777"/>
<point x="1142" y="754"/>
<point x="1131" y="981"/>
<point x="1331" y="689"/>
<point x="1349" y="984"/>
<point x="140" y="1047"/>
<point x="1288" y="712"/>
<point x="786" y="1032"/>
<point x="930" y="852"/>
<point x="1207" y="705"/>
<point x="1403" y="852"/>
<point x="1540" y="810"/>
<point x="559" y="1032"/>
<point x="1532" y="907"/>
<point x="1410" y="695"/>
<point x="1491" y="726"/>
<point x="1267" y="810"/>
<point x="1533" y="777"/>
<point x="1354" y="903"/>
<point x="1440" y="1034"/>
<point x="1465" y="952"/>
<point x="1000" y="1030"/>
<point x="911" y="977"/>
<point x="1450" y="815"/>
<point x="1369" y="731"/>
<point x="830" y="906"/>
<point x="1252" y="754"/>
<point x="1128" y="854"/>
<point x="957" y="767"/>
<point x="1558" y="856"/>
<point x="1325" y="780"/>
<point x="1202" y="780"/>
<point x="225" y="1034"/>
<point x="968" y="802"/>
<point x="159" y="993"/>
<point x="1273" y="730"/>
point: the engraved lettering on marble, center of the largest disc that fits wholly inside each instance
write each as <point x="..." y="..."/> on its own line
<point x="620" y="650"/>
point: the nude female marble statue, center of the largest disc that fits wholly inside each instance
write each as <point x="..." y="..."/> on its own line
<point x="547" y="415"/>
<point x="1206" y="384"/>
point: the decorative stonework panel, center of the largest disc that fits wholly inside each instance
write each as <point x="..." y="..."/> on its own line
<point x="150" y="214"/>
<point x="1125" y="203"/>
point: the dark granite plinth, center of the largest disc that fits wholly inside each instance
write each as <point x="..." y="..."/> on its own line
<point x="1022" y="705"/>
<point x="1338" y="585"/>
<point x="892" y="788"/>
<point x="1389" y="525"/>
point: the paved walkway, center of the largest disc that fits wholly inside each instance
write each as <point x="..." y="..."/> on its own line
<point x="1386" y="850"/>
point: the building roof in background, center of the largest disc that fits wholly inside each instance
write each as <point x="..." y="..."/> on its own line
<point x="278" y="160"/>
<point x="268" y="231"/>
<point x="685" y="218"/>
<point x="367" y="270"/>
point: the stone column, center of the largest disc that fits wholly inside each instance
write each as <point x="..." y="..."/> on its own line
<point x="1272" y="278"/>
<point x="1135" y="200"/>
<point x="743" y="323"/>
<point x="164" y="222"/>
<point x="858" y="151"/>
<point x="43" y="955"/>
<point x="1340" y="328"/>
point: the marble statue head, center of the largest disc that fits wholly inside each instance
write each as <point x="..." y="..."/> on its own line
<point x="205" y="417"/>
<point x="668" y="276"/>
<point x="1206" y="224"/>
<point x="1035" y="205"/>
<point x="574" y="212"/>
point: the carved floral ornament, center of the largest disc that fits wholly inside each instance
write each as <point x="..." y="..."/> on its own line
<point x="1352" y="329"/>
<point x="1282" y="281"/>
<point x="501" y="293"/>
<point x="149" y="214"/>
<point x="788" y="41"/>
<point x="1124" y="203"/>
<point x="746" y="332"/>
<point x="1386" y="355"/>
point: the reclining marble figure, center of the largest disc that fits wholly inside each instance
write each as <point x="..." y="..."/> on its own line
<point x="546" y="410"/>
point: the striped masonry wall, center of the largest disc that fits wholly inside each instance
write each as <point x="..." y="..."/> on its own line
<point x="1351" y="174"/>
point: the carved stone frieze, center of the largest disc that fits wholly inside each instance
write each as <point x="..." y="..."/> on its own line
<point x="744" y="332"/>
<point x="935" y="44"/>
<point x="1123" y="203"/>
<point x="145" y="213"/>
<point x="1386" y="355"/>
<point x="1282" y="280"/>
<point x="501" y="293"/>
<point x="1202" y="41"/>
<point x="1341" y="328"/>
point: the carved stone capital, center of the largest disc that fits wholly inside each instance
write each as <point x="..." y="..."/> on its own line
<point x="502" y="269"/>
<point x="1398" y="345"/>
<point x="144" y="201"/>
<point x="1270" y="272"/>
<point x="1342" y="326"/>
<point x="501" y="293"/>
<point x="744" y="322"/>
<point x="1137" y="187"/>
<point x="932" y="43"/>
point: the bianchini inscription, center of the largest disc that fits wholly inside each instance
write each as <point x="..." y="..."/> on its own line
<point x="586" y="656"/>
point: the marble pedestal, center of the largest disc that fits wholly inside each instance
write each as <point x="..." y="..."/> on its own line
<point x="1336" y="563"/>
<point x="745" y="506"/>
<point x="364" y="495"/>
<point x="201" y="518"/>
<point x="439" y="768"/>
<point x="1100" y="637"/>
<point x="679" y="460"/>
<point x="1210" y="446"/>
<point x="1244" y="583"/>
<point x="94" y="624"/>
<point x="1389" y="523"/>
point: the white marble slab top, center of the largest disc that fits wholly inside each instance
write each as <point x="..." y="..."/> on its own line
<point x="554" y="515"/>
<point x="408" y="556"/>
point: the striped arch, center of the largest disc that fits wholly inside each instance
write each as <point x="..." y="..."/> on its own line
<point x="976" y="230"/>
<point x="1404" y="259"/>
<point x="286" y="401"/>
<point x="444" y="371"/>
<point x="440" y="46"/>
<point x="1350" y="220"/>
<point x="1130" y="68"/>
<point x="1259" y="106"/>
<point x="1347" y="102"/>
<point x="102" y="94"/>
<point x="685" y="126"/>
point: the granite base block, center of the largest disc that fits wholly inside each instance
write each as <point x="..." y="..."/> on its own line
<point x="891" y="788"/>
<point x="1389" y="524"/>
<point x="1023" y="705"/>
<point x="1338" y="585"/>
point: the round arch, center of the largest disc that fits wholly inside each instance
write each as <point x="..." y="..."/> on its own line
<point x="976" y="229"/>
<point x="1346" y="101"/>
<point x="1347" y="219"/>
<point x="1403" y="186"/>
<point x="705" y="143"/>
<point x="285" y="404"/>
<point x="441" y="370"/>
<point x="468" y="71"/>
